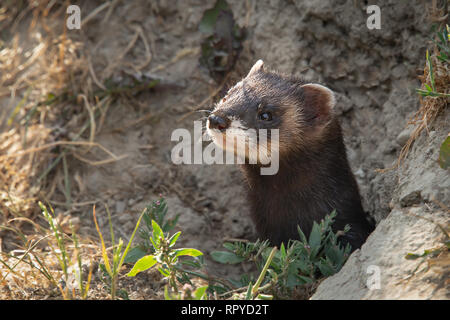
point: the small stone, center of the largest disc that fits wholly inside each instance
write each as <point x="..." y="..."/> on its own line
<point x="120" y="206"/>
<point x="360" y="173"/>
<point x="403" y="136"/>
<point x="124" y="218"/>
<point x="411" y="199"/>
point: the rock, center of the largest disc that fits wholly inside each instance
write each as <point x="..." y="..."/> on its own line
<point x="360" y="173"/>
<point x="411" y="199"/>
<point x="405" y="230"/>
<point x="384" y="254"/>
<point x="420" y="170"/>
<point x="123" y="218"/>
<point x="403" y="136"/>
<point x="73" y="272"/>
<point x="120" y="206"/>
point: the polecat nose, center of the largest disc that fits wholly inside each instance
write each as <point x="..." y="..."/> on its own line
<point x="217" y="122"/>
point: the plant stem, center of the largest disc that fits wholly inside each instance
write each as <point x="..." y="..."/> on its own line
<point x="263" y="272"/>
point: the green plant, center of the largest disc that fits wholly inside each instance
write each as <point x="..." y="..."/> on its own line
<point x="63" y="257"/>
<point x="223" y="43"/>
<point x="111" y="270"/>
<point x="59" y="236"/>
<point x="444" y="153"/>
<point x="300" y="262"/>
<point x="165" y="257"/>
<point x="435" y="255"/>
<point x="61" y="247"/>
<point x="198" y="294"/>
<point x="157" y="211"/>
<point x="443" y="48"/>
<point x="253" y="290"/>
<point x="434" y="92"/>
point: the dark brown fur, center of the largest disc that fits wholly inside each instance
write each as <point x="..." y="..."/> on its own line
<point x="314" y="177"/>
<point x="309" y="185"/>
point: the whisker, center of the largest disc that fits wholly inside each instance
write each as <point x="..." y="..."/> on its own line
<point x="203" y="110"/>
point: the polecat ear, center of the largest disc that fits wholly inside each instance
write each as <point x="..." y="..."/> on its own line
<point x="256" y="67"/>
<point x="319" y="103"/>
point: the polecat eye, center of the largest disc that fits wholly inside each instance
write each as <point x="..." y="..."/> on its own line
<point x="265" y="116"/>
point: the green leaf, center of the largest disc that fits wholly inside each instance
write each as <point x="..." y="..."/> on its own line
<point x="142" y="264"/>
<point x="200" y="293"/>
<point x="170" y="224"/>
<point x="334" y="254"/>
<point x="166" y="294"/>
<point x="187" y="252"/>
<point x="430" y="67"/>
<point x="444" y="154"/>
<point x="173" y="239"/>
<point x="248" y="294"/>
<point x="303" y="265"/>
<point x="264" y="297"/>
<point x="422" y="92"/>
<point x="428" y="87"/>
<point x="306" y="279"/>
<point x="293" y="280"/>
<point x="443" y="57"/>
<point x="325" y="268"/>
<point x="164" y="272"/>
<point x="155" y="246"/>
<point x="226" y="257"/>
<point x="229" y="246"/>
<point x="302" y="235"/>
<point x="283" y="251"/>
<point x="196" y="264"/>
<point x="209" y="19"/>
<point x="413" y="256"/>
<point x="152" y="83"/>
<point x="134" y="255"/>
<point x="315" y="238"/>
<point x="157" y="233"/>
<point x="123" y="294"/>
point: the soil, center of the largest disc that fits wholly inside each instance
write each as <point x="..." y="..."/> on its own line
<point x="373" y="72"/>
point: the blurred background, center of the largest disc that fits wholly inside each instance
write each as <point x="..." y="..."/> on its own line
<point x="86" y="114"/>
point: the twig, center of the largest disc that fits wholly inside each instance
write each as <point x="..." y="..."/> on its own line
<point x="91" y="120"/>
<point x="209" y="97"/>
<point x="180" y="54"/>
<point x="95" y="12"/>
<point x="94" y="77"/>
<point x="100" y="162"/>
<point x="260" y="279"/>
<point x="60" y="143"/>
<point x="148" y="53"/>
<point x="112" y="65"/>
<point x="110" y="10"/>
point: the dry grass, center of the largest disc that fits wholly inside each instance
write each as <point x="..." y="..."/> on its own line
<point x="35" y="68"/>
<point x="45" y="76"/>
<point x="53" y="103"/>
<point x="430" y="106"/>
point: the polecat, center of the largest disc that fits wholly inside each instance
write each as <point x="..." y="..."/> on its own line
<point x="313" y="177"/>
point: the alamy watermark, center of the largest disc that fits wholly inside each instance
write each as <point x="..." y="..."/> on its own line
<point x="74" y="17"/>
<point x="374" y="20"/>
<point x="254" y="147"/>
<point x="374" y="280"/>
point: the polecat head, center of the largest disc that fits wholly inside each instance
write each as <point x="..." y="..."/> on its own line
<point x="267" y="100"/>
